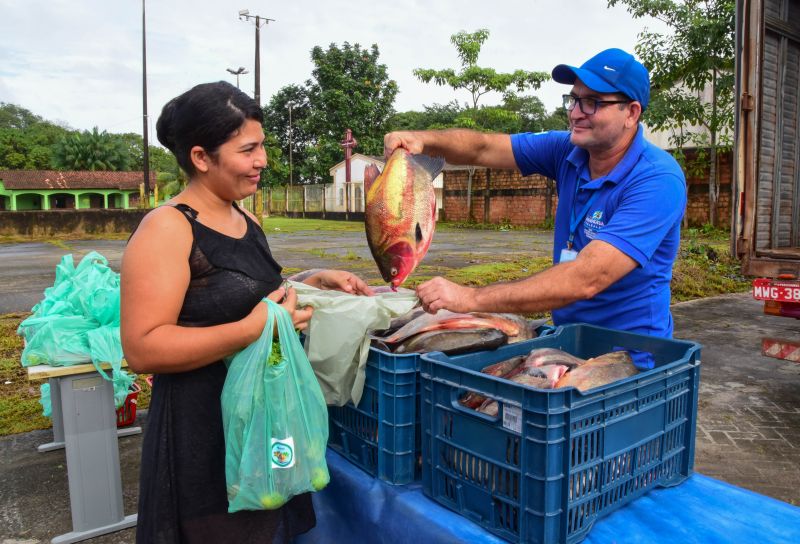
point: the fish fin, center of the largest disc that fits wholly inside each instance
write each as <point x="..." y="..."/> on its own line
<point x="432" y="165"/>
<point x="371" y="173"/>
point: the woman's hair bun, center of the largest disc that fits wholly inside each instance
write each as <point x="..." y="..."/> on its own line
<point x="165" y="126"/>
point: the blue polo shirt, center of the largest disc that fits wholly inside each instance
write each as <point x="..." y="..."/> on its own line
<point x="638" y="209"/>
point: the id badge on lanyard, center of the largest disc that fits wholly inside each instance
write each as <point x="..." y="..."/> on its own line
<point x="569" y="254"/>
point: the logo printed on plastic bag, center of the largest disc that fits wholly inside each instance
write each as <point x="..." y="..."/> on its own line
<point x="282" y="452"/>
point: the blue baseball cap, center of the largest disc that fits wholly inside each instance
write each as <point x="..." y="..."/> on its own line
<point x="610" y="71"/>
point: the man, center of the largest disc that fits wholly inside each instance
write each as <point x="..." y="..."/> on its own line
<point x="621" y="201"/>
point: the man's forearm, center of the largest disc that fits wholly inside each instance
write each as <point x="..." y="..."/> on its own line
<point x="456" y="145"/>
<point x="550" y="289"/>
<point x="469" y="147"/>
<point x="598" y="266"/>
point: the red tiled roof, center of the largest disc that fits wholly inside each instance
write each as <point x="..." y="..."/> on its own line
<point x="53" y="179"/>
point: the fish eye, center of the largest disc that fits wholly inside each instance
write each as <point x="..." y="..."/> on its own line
<point x="393" y="271"/>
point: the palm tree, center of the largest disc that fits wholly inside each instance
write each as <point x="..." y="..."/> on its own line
<point x="93" y="150"/>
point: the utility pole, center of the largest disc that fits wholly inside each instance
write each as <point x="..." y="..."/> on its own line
<point x="244" y="15"/>
<point x="146" y="148"/>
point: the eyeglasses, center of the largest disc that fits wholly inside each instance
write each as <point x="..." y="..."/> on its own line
<point x="588" y="105"/>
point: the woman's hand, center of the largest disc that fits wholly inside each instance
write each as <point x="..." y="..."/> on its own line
<point x="287" y="298"/>
<point x="339" y="280"/>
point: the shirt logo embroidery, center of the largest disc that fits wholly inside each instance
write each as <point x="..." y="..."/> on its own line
<point x="592" y="224"/>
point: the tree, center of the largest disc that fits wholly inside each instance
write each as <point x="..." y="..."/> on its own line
<point x="436" y="116"/>
<point x="277" y="170"/>
<point x="285" y="135"/>
<point x="478" y="81"/>
<point x="475" y="79"/>
<point x="93" y="150"/>
<point x="349" y="89"/>
<point x="17" y="117"/>
<point x="697" y="57"/>
<point x="558" y="119"/>
<point x="26" y="139"/>
<point x="160" y="159"/>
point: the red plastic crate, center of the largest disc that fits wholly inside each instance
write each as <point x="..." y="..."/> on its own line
<point x="126" y="414"/>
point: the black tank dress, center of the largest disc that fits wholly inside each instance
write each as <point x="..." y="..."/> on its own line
<point x="182" y="491"/>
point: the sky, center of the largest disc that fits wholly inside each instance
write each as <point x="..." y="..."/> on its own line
<point x="79" y="62"/>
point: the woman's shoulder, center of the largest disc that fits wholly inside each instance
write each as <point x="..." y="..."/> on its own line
<point x="251" y="216"/>
<point x="167" y="220"/>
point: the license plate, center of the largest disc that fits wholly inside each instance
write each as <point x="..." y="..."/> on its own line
<point x="781" y="291"/>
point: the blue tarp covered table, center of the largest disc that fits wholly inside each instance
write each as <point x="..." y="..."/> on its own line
<point x="358" y="508"/>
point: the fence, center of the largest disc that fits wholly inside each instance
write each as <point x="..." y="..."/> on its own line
<point x="497" y="196"/>
<point x="505" y="196"/>
<point x="317" y="200"/>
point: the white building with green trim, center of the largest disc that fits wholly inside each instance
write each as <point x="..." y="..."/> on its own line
<point x="49" y="190"/>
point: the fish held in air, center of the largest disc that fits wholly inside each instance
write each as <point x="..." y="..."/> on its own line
<point x="400" y="213"/>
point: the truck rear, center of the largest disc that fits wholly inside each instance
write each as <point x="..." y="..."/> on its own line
<point x="766" y="191"/>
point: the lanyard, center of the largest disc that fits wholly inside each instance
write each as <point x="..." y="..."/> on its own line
<point x="574" y="220"/>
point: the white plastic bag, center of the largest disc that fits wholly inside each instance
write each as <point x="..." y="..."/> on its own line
<point x="337" y="344"/>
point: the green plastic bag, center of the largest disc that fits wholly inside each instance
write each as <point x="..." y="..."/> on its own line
<point x="47" y="406"/>
<point x="105" y="347"/>
<point x="337" y="343"/>
<point x="82" y="298"/>
<point x="275" y="422"/>
<point x="58" y="341"/>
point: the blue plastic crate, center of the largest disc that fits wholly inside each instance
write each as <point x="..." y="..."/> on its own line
<point x="382" y="434"/>
<point x="554" y="461"/>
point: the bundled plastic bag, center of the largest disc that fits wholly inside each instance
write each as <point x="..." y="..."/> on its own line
<point x="77" y="321"/>
<point x="90" y="290"/>
<point x="275" y="421"/>
<point x="82" y="298"/>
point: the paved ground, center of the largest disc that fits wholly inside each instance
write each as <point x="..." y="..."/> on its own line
<point x="748" y="430"/>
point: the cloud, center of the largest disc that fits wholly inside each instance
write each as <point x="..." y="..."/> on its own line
<point x="80" y="62"/>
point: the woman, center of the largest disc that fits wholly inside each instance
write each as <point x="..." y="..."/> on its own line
<point x="193" y="278"/>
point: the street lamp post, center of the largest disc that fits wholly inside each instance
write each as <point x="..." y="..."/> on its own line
<point x="244" y="15"/>
<point x="237" y="73"/>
